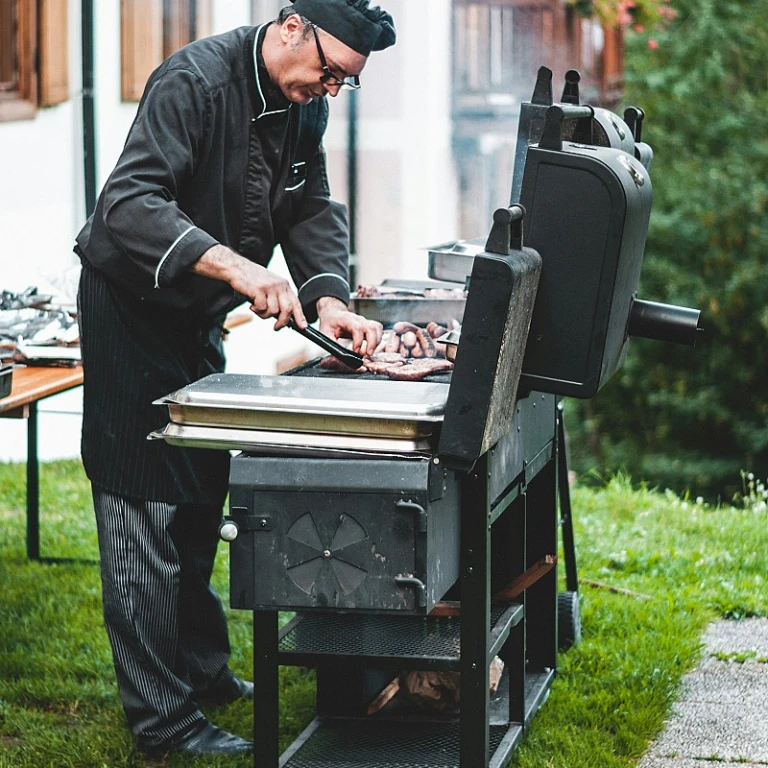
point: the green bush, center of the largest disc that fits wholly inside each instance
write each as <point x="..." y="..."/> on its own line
<point x="681" y="418"/>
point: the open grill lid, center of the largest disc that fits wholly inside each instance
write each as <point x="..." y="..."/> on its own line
<point x="489" y="358"/>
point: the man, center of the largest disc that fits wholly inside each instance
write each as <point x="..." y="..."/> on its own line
<point x="223" y="161"/>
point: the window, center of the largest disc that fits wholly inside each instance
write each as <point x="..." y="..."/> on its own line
<point x="34" y="60"/>
<point x="151" y="31"/>
<point x="18" y="79"/>
<point x="499" y="46"/>
<point x="34" y="56"/>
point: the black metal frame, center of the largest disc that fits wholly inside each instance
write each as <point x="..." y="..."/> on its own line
<point x="501" y="538"/>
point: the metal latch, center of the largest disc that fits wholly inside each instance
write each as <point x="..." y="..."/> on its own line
<point x="247" y="521"/>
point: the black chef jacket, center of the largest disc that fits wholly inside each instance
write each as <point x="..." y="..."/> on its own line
<point x="216" y="154"/>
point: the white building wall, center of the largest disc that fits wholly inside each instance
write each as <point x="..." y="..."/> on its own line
<point x="406" y="189"/>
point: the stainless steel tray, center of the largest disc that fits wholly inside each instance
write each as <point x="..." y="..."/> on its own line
<point x="277" y="443"/>
<point x="453" y="261"/>
<point x="379" y="408"/>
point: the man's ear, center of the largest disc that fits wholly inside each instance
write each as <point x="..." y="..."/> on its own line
<point x="291" y="29"/>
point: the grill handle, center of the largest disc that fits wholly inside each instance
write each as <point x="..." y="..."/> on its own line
<point x="663" y="322"/>
<point x="418" y="584"/>
<point x="507" y="231"/>
<point x="404" y="505"/>
<point x="557" y="114"/>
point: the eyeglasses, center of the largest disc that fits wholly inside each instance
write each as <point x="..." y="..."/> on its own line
<point x="351" y="83"/>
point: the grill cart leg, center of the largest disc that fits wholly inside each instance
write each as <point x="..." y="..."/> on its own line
<point x="266" y="720"/>
<point x="475" y="617"/>
<point x="566" y="521"/>
<point x="568" y="609"/>
<point x="541" y="597"/>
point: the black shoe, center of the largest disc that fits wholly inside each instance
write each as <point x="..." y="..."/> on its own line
<point x="225" y="692"/>
<point x="205" y="739"/>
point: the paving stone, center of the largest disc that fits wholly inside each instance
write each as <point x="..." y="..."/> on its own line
<point x="737" y="637"/>
<point x="685" y="762"/>
<point x="722" y="712"/>
<point x="705" y="730"/>
<point x="719" y="682"/>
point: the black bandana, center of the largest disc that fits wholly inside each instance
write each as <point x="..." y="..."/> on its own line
<point x="353" y="22"/>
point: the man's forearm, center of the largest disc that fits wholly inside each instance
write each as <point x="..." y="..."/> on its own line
<point x="219" y="263"/>
<point x="270" y="294"/>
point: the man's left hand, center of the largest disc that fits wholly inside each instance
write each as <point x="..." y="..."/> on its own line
<point x="338" y="322"/>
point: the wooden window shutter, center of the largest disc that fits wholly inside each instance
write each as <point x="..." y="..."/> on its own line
<point x="141" y="44"/>
<point x="18" y="73"/>
<point x="53" y="24"/>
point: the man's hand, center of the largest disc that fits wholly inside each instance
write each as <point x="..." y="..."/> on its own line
<point x="270" y="294"/>
<point x="338" y="322"/>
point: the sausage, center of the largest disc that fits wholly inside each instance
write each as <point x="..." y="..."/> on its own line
<point x="393" y="345"/>
<point x="425" y="340"/>
<point x="417" y="351"/>
<point x="404" y="326"/>
<point x="435" y="330"/>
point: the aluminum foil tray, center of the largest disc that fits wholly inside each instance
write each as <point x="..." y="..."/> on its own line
<point x="274" y="443"/>
<point x="375" y="408"/>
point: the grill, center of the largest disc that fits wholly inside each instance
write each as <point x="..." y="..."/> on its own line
<point x="415" y="526"/>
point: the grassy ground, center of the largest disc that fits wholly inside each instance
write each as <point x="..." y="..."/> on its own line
<point x="682" y="564"/>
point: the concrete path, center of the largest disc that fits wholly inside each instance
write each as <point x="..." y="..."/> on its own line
<point x="722" y="713"/>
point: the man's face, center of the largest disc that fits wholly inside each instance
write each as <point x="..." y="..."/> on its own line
<point x="301" y="68"/>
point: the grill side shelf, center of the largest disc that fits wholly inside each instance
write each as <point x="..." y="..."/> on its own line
<point x="390" y="642"/>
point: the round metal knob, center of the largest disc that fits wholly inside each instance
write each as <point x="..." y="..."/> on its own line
<point x="228" y="530"/>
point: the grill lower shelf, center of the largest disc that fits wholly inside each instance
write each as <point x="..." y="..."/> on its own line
<point x="389" y="642"/>
<point x="343" y="743"/>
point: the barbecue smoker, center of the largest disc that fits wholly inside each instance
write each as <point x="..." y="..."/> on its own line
<point x="414" y="526"/>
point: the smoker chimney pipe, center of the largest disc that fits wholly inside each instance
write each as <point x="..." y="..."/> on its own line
<point x="664" y="322"/>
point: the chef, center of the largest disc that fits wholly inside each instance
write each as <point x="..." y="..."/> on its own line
<point x="223" y="162"/>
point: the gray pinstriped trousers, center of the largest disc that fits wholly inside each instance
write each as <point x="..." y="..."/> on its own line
<point x="165" y="622"/>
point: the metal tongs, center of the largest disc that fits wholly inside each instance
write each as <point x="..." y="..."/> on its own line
<point x="347" y="356"/>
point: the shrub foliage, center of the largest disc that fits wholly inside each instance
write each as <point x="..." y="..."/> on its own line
<point x="691" y="419"/>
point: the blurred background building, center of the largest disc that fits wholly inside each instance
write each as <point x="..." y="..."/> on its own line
<point x="421" y="154"/>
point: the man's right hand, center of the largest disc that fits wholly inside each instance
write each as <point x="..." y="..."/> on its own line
<point x="271" y="295"/>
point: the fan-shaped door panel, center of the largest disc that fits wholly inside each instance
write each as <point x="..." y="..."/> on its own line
<point x="333" y="550"/>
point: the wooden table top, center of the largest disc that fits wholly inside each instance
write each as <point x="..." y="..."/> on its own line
<point x="32" y="383"/>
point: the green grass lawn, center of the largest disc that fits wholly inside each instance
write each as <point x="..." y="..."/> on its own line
<point x="684" y="563"/>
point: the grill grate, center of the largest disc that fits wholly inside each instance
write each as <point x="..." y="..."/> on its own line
<point x="347" y="743"/>
<point x="398" y="637"/>
<point x="313" y="369"/>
